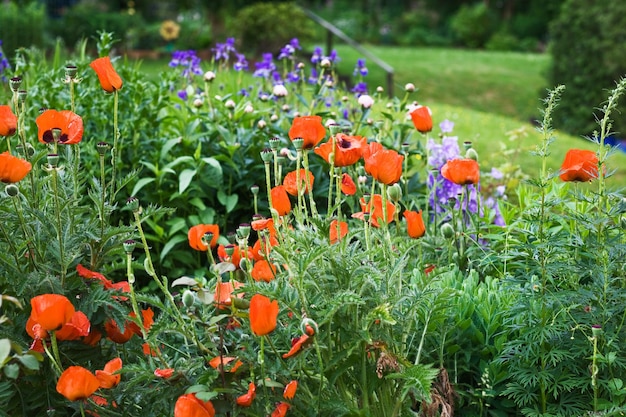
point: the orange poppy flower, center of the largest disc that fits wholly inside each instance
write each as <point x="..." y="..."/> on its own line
<point x="422" y="119"/>
<point x="188" y="405"/>
<point x="296" y="346"/>
<point x="8" y="121"/>
<point x="148" y="350"/>
<point x="164" y="373"/>
<point x="461" y="171"/>
<point x="246" y="399"/>
<point x="348" y="149"/>
<point x="147" y="320"/>
<point x="77" y="383"/>
<point x="51" y="311"/>
<point x="70" y="124"/>
<point x="290" y="390"/>
<point x="376" y="215"/>
<point x="343" y="231"/>
<point x="281" y="410"/>
<point x="309" y="128"/>
<point x="78" y="326"/>
<point x="385" y="165"/>
<point x="290" y="182"/>
<point x="263" y="271"/>
<point x="579" y="165"/>
<point x="88" y="274"/>
<point x="224" y="291"/>
<point x="348" y="187"/>
<point x="263" y="314"/>
<point x="262" y="248"/>
<point x="222" y="361"/>
<point x="235" y="258"/>
<point x="109" y="377"/>
<point x="108" y="77"/>
<point x="280" y="200"/>
<point x="12" y="168"/>
<point x="415" y="223"/>
<point x="196" y="233"/>
<point x="93" y="337"/>
<point x="115" y="334"/>
<point x="264" y="224"/>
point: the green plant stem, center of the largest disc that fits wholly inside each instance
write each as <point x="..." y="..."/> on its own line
<point x="34" y="255"/>
<point x="331" y="170"/>
<point x="364" y="385"/>
<point x="268" y="184"/>
<point x="594" y="374"/>
<point x="57" y="210"/>
<point x="55" y="351"/>
<point x="130" y="276"/>
<point x="114" y="151"/>
<point x="309" y="187"/>
<point x="102" y="195"/>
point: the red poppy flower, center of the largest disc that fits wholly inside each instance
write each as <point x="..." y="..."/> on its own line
<point x="290" y="390"/>
<point x="164" y="373"/>
<point x="415" y="223"/>
<point x="109" y="377"/>
<point x="263" y="271"/>
<point x="376" y="215"/>
<point x="77" y="383"/>
<point x="8" y="121"/>
<point x="246" y="399"/>
<point x="264" y="224"/>
<point x="579" y="165"/>
<point x="108" y="77"/>
<point x="280" y="200"/>
<point x="309" y="128"/>
<point x="461" y="171"/>
<point x="235" y="258"/>
<point x="348" y="187"/>
<point x="115" y="334"/>
<point x="348" y="149"/>
<point x="224" y="291"/>
<point x="290" y="182"/>
<point x="221" y="362"/>
<point x="148" y="350"/>
<point x="12" y="168"/>
<point x="262" y="247"/>
<point x="147" y="320"/>
<point x="88" y="274"/>
<point x="196" y="233"/>
<point x="385" y="165"/>
<point x="296" y="346"/>
<point x="78" y="326"/>
<point x="281" y="410"/>
<point x="429" y="268"/>
<point x="51" y="311"/>
<point x="422" y="119"/>
<point x="93" y="337"/>
<point x="70" y="124"/>
<point x="188" y="405"/>
<point x="337" y="233"/>
<point x="263" y="314"/>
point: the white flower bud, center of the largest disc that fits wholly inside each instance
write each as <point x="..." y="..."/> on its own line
<point x="209" y="76"/>
<point x="279" y="90"/>
<point x="230" y="104"/>
<point x="365" y="101"/>
<point x="409" y="87"/>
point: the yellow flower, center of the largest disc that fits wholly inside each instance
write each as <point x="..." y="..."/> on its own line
<point x="169" y="30"/>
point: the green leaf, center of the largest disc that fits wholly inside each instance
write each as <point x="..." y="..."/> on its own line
<point x="5" y="350"/>
<point x="11" y="371"/>
<point x="228" y="201"/>
<point x="185" y="179"/>
<point x="212" y="173"/>
<point x="170" y="245"/>
<point x="29" y="362"/>
<point x="140" y="184"/>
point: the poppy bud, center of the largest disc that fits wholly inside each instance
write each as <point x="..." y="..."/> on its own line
<point x="188" y="298"/>
<point x="12" y="190"/>
<point x="254" y="189"/>
<point x="394" y="192"/>
<point x="261" y="124"/>
<point x="380" y="89"/>
<point x="471" y="154"/>
<point x="132" y="203"/>
<point x="409" y="87"/>
<point x="447" y="230"/>
<point x="209" y="76"/>
<point x="240" y="303"/>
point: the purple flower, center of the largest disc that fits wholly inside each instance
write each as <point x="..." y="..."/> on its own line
<point x="188" y="61"/>
<point x="293" y="77"/>
<point x="446" y="126"/>
<point x="439" y="154"/>
<point x="313" y="77"/>
<point x="317" y="55"/>
<point x="182" y="94"/>
<point x="360" y="88"/>
<point x="241" y="64"/>
<point x="360" y="68"/>
<point x="496" y="174"/>
<point x="265" y="67"/>
<point x="289" y="50"/>
<point x="222" y="51"/>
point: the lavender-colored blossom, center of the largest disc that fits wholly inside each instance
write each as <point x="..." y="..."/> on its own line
<point x="317" y="55"/>
<point x="360" y="88"/>
<point x="244" y="92"/>
<point x="265" y="67"/>
<point x="333" y="56"/>
<point x="288" y="51"/>
<point x="439" y="154"/>
<point x="222" y="51"/>
<point x="241" y="64"/>
<point x="360" y="68"/>
<point x="496" y="174"/>
<point x="182" y="94"/>
<point x="293" y="77"/>
<point x="188" y="61"/>
<point x="313" y="77"/>
<point x="446" y="126"/>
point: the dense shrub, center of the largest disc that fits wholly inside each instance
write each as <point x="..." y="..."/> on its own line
<point x="21" y="26"/>
<point x="473" y="25"/>
<point x="589" y="54"/>
<point x="266" y="27"/>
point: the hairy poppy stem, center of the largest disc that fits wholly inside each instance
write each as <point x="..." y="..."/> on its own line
<point x="57" y="209"/>
<point x="309" y="187"/>
<point x="114" y="150"/>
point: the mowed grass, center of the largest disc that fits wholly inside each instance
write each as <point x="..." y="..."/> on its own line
<point x="492" y="97"/>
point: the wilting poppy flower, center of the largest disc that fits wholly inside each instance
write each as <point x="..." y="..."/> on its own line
<point x="12" y="168"/>
<point x="348" y="187"/>
<point x="376" y="215"/>
<point x="309" y="128"/>
<point x="337" y="232"/>
<point x="263" y="271"/>
<point x="78" y="326"/>
<point x="422" y="119"/>
<point x="461" y="171"/>
<point x="385" y="165"/>
<point x="188" y="405"/>
<point x="109" y="377"/>
<point x="264" y="224"/>
<point x="148" y="350"/>
<point x="246" y="399"/>
<point x="70" y="124"/>
<point x="290" y="390"/>
<point x="415" y="223"/>
<point x="115" y="334"/>
<point x="579" y="165"/>
<point x="296" y="345"/>
<point x="262" y="247"/>
<point x="8" y="121"/>
<point x="147" y="316"/>
<point x="224" y="291"/>
<point x="108" y="77"/>
<point x="263" y="314"/>
<point x="222" y="361"/>
<point x="196" y="233"/>
<point x="348" y="149"/>
<point x="93" y="337"/>
<point x="290" y="182"/>
<point x="77" y="383"/>
<point x="281" y="410"/>
<point x="88" y="274"/>
<point x="235" y="258"/>
<point x="164" y="373"/>
<point x="51" y="311"/>
<point x="280" y="200"/>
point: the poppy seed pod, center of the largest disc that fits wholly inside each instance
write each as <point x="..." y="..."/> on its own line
<point x="12" y="190"/>
<point x="394" y="192"/>
<point x="188" y="298"/>
<point x="471" y="154"/>
<point x="447" y="230"/>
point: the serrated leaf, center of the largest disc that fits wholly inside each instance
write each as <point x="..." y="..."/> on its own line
<point x="184" y="179"/>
